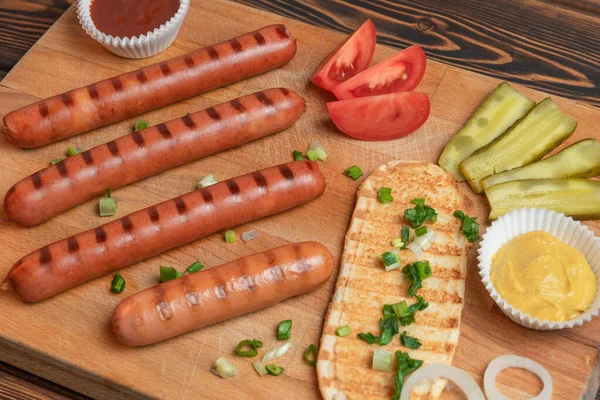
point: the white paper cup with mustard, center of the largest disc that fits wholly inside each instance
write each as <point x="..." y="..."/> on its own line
<point x="537" y="223"/>
<point x="133" y="29"/>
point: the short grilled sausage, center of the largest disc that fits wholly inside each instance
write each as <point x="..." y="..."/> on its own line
<point x="77" y="179"/>
<point x="64" y="264"/>
<point x="236" y="288"/>
<point x="124" y="96"/>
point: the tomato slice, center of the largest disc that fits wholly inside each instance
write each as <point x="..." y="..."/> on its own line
<point x="383" y="117"/>
<point x="399" y="73"/>
<point x="352" y="56"/>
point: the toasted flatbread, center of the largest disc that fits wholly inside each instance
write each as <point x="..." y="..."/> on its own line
<point x="363" y="286"/>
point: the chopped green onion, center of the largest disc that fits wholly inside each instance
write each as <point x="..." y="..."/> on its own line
<point x="108" y="193"/>
<point x="421" y="231"/>
<point x="118" y="284"/>
<point x="141" y="124"/>
<point x="367" y="337"/>
<point x="56" y="161"/>
<point x="420" y="202"/>
<point x="312" y="155"/>
<point x="353" y="172"/>
<point x="405" y="236"/>
<point x="385" y="195"/>
<point x="207" y="181"/>
<point x="252" y="352"/>
<point x="276" y="352"/>
<point x="419" y="214"/>
<point x="400" y="309"/>
<point x="319" y="150"/>
<point x="424" y="269"/>
<point x="73" y="151"/>
<point x="284" y="331"/>
<point x="391" y="260"/>
<point x="404" y="366"/>
<point x="343" y="331"/>
<point x="311" y="350"/>
<point x="168" y="274"/>
<point x="298" y="155"/>
<point x="230" y="236"/>
<point x="195" y="267"/>
<point x="382" y="360"/>
<point x="274" y="370"/>
<point x="398" y="243"/>
<point x="107" y="207"/>
<point x="470" y="228"/>
<point x="260" y="368"/>
<point x="409" y="341"/>
<point x="223" y="368"/>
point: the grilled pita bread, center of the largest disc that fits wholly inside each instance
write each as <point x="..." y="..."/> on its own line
<point x="363" y="286"/>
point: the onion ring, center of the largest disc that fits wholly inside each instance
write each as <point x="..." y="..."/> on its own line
<point x="501" y="363"/>
<point x="435" y="371"/>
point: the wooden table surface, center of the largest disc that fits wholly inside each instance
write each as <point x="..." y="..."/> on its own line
<point x="550" y="45"/>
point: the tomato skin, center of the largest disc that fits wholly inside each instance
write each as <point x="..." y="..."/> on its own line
<point x="358" y="47"/>
<point x="386" y="76"/>
<point x="378" y="118"/>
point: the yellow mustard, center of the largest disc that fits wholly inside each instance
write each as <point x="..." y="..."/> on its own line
<point x="541" y="276"/>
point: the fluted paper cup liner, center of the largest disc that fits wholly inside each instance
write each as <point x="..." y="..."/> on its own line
<point x="141" y="46"/>
<point x="565" y="229"/>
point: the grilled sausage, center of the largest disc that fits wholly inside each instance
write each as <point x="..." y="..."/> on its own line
<point x="64" y="264"/>
<point x="77" y="179"/>
<point x="206" y="297"/>
<point x="124" y="96"/>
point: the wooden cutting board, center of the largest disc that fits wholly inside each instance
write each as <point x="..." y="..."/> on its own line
<point x="68" y="339"/>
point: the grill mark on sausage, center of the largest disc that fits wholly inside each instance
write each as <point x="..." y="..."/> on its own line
<point x="180" y="204"/>
<point x="264" y="99"/>
<point x="37" y="180"/>
<point x="189" y="61"/>
<point x="233" y="187"/>
<point x="162" y="306"/>
<point x="237" y="104"/>
<point x="206" y="195"/>
<point x="45" y="256"/>
<point x="138" y="139"/>
<point x="286" y="172"/>
<point x="153" y="212"/>
<point x="164" y="68"/>
<point x="117" y="84"/>
<point x="43" y="108"/>
<point x="235" y="45"/>
<point x="260" y="39"/>
<point x="282" y="32"/>
<point x="113" y="148"/>
<point x="302" y="265"/>
<point x="271" y="258"/>
<point x="189" y="122"/>
<point x="212" y="52"/>
<point x="164" y="131"/>
<point x="126" y="224"/>
<point x="246" y="280"/>
<point x="93" y="92"/>
<point x="62" y="168"/>
<point x="141" y="76"/>
<point x="87" y="157"/>
<point x="220" y="288"/>
<point x="260" y="179"/>
<point x="100" y="235"/>
<point x="72" y="244"/>
<point x="284" y="91"/>
<point x="213" y="114"/>
<point x="67" y="99"/>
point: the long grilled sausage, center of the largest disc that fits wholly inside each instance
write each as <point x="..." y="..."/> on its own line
<point x="76" y="179"/>
<point x="236" y="288"/>
<point x="124" y="96"/>
<point x="64" y="264"/>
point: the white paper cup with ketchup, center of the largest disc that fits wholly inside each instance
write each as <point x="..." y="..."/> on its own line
<point x="133" y="28"/>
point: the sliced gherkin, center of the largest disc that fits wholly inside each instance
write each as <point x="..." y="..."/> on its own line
<point x="540" y="131"/>
<point x="501" y="109"/>
<point x="580" y="160"/>
<point x="575" y="197"/>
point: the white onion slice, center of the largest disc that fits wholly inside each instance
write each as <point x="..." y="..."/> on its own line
<point x="501" y="363"/>
<point x="276" y="352"/>
<point x="435" y="371"/>
<point x="417" y="249"/>
<point x="249" y="235"/>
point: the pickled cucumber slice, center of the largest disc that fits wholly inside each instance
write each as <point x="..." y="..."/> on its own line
<point x="540" y="131"/>
<point x="580" y="160"/>
<point x="501" y="109"/>
<point x="576" y="197"/>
